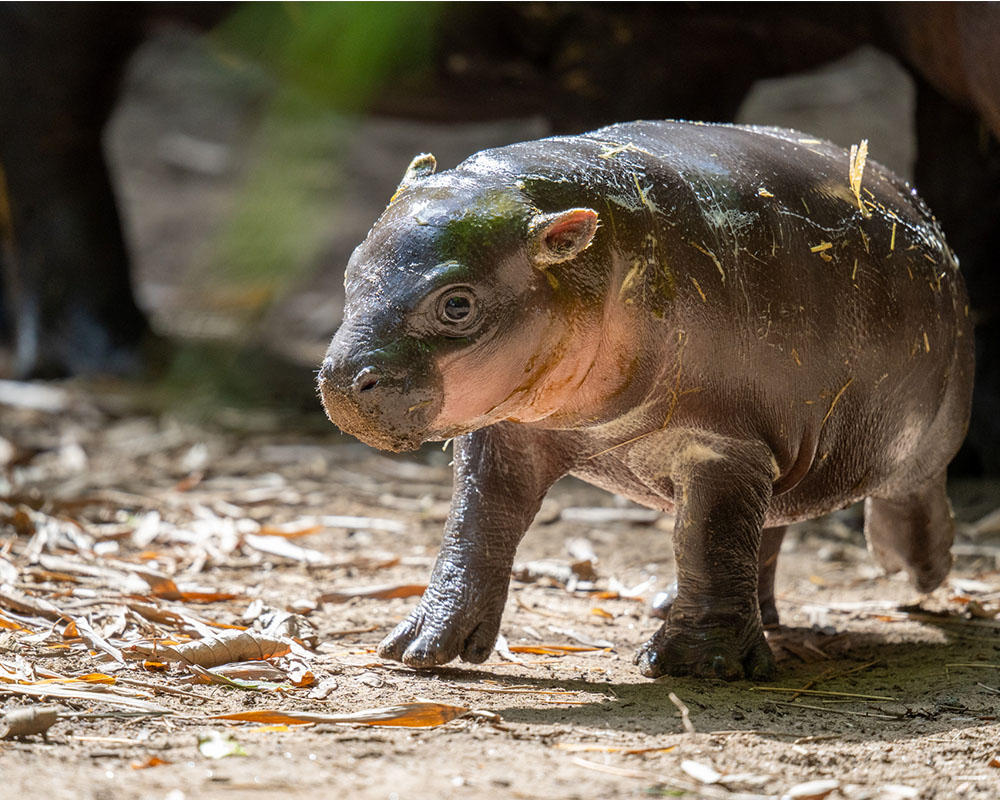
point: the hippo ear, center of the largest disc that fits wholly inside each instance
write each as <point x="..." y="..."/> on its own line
<point x="422" y="166"/>
<point x="561" y="236"/>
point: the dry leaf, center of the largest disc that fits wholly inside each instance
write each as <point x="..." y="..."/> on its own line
<point x="898" y="791"/>
<point x="811" y="790"/>
<point x="10" y="625"/>
<point x="502" y="648"/>
<point x="285" y="549"/>
<point x="555" y="649"/>
<point x="8" y="572"/>
<point x="225" y="648"/>
<point x="562" y="572"/>
<point x="152" y="761"/>
<point x="159" y="584"/>
<point x="179" y="618"/>
<point x="294" y="626"/>
<point x="288" y="532"/>
<point x="324" y="689"/>
<point x="96" y="642"/>
<point x="703" y="773"/>
<point x="299" y="674"/>
<point x="18" y="722"/>
<point x="24" y="604"/>
<point x="250" y="671"/>
<point x="205" y="596"/>
<point x="385" y="592"/>
<point x="93" y="677"/>
<point x="238" y="683"/>
<point x="93" y="696"/>
<point x="407" y="715"/>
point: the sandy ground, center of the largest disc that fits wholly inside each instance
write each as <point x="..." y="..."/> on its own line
<point x="94" y="481"/>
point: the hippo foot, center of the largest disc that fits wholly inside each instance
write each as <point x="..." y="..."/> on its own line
<point x="707" y="652"/>
<point x="427" y="638"/>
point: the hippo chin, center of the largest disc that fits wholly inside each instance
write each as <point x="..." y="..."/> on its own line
<point x="743" y="326"/>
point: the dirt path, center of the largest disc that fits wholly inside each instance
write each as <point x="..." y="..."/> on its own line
<point x="102" y="508"/>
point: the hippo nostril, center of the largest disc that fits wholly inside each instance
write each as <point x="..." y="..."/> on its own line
<point x="365" y="380"/>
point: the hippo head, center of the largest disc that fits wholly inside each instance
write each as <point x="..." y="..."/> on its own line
<point x="451" y="319"/>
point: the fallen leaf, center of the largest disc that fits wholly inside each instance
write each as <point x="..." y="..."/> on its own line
<point x="811" y="790"/>
<point x="503" y="650"/>
<point x="324" y="689"/>
<point x="152" y="761"/>
<point x="8" y="572"/>
<point x="250" y="671"/>
<point x="555" y="649"/>
<point x="159" y="584"/>
<point x="289" y="532"/>
<point x="898" y="791"/>
<point x="96" y="642"/>
<point x="384" y="592"/>
<point x="93" y="696"/>
<point x="18" y="722"/>
<point x="237" y="683"/>
<point x="407" y="715"/>
<point x="703" y="773"/>
<point x="269" y="729"/>
<point x="225" y="648"/>
<point x="10" y="625"/>
<point x="285" y="548"/>
<point x="24" y="604"/>
<point x="92" y="677"/>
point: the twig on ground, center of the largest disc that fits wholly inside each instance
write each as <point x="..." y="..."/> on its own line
<point x="820" y="692"/>
<point x="685" y="714"/>
<point x="870" y="714"/>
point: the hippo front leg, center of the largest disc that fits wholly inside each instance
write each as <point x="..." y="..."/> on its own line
<point x="713" y="626"/>
<point x="501" y="476"/>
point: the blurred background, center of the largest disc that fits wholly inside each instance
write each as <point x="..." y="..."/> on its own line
<point x="183" y="184"/>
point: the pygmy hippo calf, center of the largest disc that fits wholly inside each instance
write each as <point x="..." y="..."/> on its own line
<point x="743" y="326"/>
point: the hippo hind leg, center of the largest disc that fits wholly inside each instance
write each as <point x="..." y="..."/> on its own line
<point x="913" y="531"/>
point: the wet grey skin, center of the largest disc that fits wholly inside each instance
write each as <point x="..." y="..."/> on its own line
<point x="714" y="321"/>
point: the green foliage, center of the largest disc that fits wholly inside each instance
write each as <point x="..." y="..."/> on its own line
<point x="338" y="53"/>
<point x="328" y="62"/>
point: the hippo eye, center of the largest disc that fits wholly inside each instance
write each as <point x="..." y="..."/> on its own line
<point x="456" y="311"/>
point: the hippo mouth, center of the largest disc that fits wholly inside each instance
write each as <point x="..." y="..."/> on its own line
<point x="399" y="427"/>
<point x="383" y="441"/>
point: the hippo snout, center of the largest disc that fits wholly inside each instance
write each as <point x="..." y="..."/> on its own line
<point x="387" y="408"/>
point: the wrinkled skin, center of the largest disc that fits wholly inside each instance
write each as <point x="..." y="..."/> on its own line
<point x="705" y="319"/>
